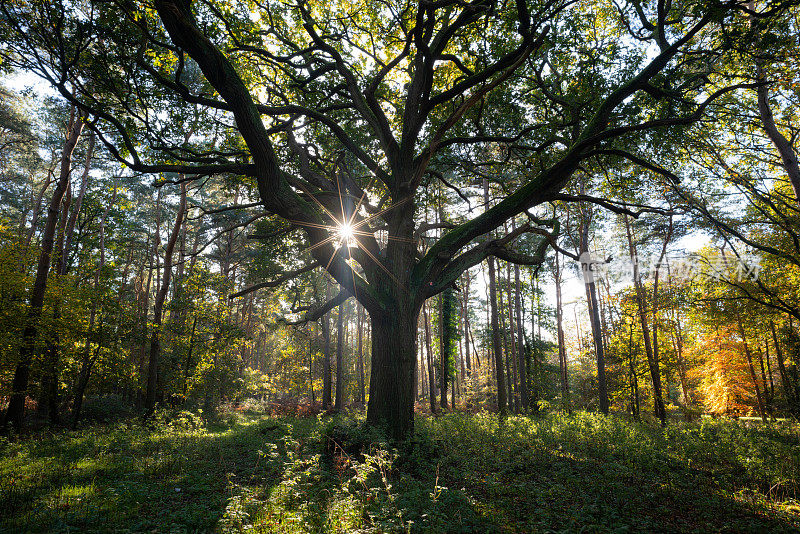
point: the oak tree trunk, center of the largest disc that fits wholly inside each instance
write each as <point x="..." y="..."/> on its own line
<point x="391" y="386"/>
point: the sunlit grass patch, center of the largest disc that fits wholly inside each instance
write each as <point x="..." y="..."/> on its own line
<point x="124" y="476"/>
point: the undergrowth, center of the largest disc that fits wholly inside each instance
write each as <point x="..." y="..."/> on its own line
<point x="248" y="472"/>
<point x="556" y="473"/>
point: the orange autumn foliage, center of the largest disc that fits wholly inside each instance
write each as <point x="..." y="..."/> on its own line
<point x="725" y="386"/>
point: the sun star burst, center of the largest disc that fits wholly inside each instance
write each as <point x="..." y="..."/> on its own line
<point x="346" y="234"/>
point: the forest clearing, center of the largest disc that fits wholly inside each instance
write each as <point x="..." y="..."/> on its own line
<point x="399" y="266"/>
<point x="251" y="472"/>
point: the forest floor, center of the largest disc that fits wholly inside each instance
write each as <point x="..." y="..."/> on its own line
<point x="461" y="473"/>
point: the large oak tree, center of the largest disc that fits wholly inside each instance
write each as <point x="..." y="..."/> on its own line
<point x="340" y="112"/>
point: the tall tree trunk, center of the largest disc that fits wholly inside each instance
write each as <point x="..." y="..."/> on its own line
<point x="339" y="399"/>
<point x="418" y="372"/>
<point x="444" y="347"/>
<point x="641" y="300"/>
<point x="391" y="385"/>
<point x="155" y="263"/>
<point x="502" y="403"/>
<point x="681" y="359"/>
<point x="64" y="247"/>
<point x="656" y="354"/>
<point x="310" y="369"/>
<point x="597" y="336"/>
<point x="507" y="357"/>
<point x="533" y="356"/>
<point x="749" y="357"/>
<point x="327" y="377"/>
<point x="37" y="209"/>
<point x="429" y="356"/>
<point x="361" y="379"/>
<point x="423" y="388"/>
<point x="523" y="369"/>
<point x="467" y="356"/>
<point x="764" y="384"/>
<point x="462" y="370"/>
<point x="769" y="370"/>
<point x="578" y="335"/>
<point x="19" y="387"/>
<point x="47" y="407"/>
<point x="419" y="388"/>
<point x="633" y="375"/>
<point x="562" y="349"/>
<point x="83" y="382"/>
<point x="513" y="353"/>
<point x="789" y="388"/>
<point x="446" y="342"/>
<point x="142" y="327"/>
<point x="603" y="324"/>
<point x="73" y="218"/>
<point x="155" y="339"/>
<point x="594" y="315"/>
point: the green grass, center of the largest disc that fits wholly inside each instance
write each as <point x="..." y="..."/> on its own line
<point x="460" y="473"/>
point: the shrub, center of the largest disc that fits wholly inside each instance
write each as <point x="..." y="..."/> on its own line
<point x="105" y="408"/>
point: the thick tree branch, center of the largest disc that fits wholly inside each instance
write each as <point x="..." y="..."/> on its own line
<point x="285" y="277"/>
<point x="274" y="187"/>
<point x="316" y="313"/>
<point x="544" y="185"/>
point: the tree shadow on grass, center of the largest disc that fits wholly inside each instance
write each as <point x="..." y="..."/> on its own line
<point x="559" y="493"/>
<point x="459" y="474"/>
<point x="542" y="477"/>
<point x="133" y="479"/>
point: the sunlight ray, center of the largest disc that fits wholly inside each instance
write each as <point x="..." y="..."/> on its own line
<point x="314" y="225"/>
<point x="353" y="271"/>
<point x="323" y="242"/>
<point x="343" y="223"/>
<point x="365" y="220"/>
<point x="360" y="201"/>
<point x="383" y="267"/>
<point x="320" y="204"/>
